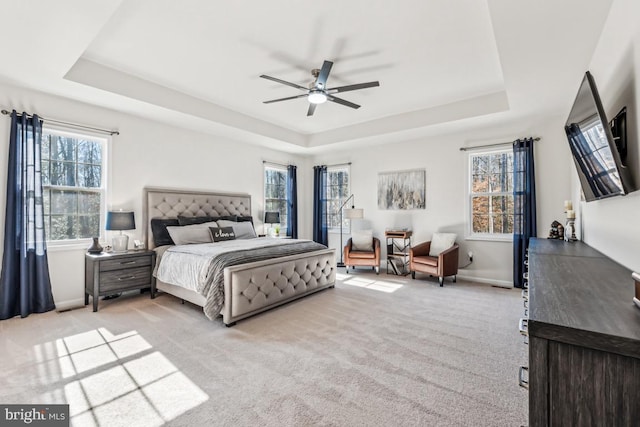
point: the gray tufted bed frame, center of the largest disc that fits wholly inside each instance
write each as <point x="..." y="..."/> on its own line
<point x="273" y="280"/>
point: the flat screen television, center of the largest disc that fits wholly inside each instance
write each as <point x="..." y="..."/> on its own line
<point x="600" y="167"/>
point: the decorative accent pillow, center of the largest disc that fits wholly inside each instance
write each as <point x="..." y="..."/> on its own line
<point x="243" y="230"/>
<point x="362" y="240"/>
<point x="222" y="234"/>
<point x="189" y="234"/>
<point x="159" y="231"/>
<point x="191" y="220"/>
<point x="440" y="242"/>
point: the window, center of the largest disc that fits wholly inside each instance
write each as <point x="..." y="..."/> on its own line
<point x="338" y="186"/>
<point x="275" y="193"/>
<point x="73" y="178"/>
<point x="491" y="194"/>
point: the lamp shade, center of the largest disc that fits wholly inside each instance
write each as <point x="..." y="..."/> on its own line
<point x="272" y="217"/>
<point x="120" y="220"/>
<point x="354" y="213"/>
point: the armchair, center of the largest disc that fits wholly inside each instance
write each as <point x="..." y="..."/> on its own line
<point x="354" y="257"/>
<point x="445" y="264"/>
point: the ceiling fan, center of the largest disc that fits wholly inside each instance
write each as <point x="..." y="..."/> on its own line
<point x="318" y="92"/>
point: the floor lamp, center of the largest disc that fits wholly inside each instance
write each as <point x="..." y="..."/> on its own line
<point x="352" y="213"/>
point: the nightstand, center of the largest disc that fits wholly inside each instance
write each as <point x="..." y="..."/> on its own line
<point x="109" y="273"/>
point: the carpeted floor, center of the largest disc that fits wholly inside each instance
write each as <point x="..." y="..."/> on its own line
<point x="376" y="350"/>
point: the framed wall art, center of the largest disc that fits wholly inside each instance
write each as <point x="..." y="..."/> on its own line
<point x="402" y="190"/>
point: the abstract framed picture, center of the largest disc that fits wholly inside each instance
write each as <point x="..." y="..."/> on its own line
<point x="402" y="190"/>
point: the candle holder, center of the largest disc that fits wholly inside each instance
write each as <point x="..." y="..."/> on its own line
<point x="570" y="230"/>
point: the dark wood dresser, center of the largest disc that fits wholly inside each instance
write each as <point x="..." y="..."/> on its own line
<point x="584" y="338"/>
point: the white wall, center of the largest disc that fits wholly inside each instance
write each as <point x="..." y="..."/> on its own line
<point x="445" y="167"/>
<point x="611" y="225"/>
<point x="148" y="153"/>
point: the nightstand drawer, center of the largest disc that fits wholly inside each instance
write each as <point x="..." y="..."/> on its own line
<point x="122" y="263"/>
<point x="122" y="279"/>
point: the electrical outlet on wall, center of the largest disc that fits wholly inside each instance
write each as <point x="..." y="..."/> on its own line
<point x="470" y="253"/>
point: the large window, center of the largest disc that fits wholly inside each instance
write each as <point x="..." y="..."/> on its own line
<point x="73" y="177"/>
<point x="338" y="186"/>
<point x="275" y="193"/>
<point x="491" y="194"/>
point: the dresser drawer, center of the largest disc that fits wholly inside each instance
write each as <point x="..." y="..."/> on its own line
<point x="122" y="263"/>
<point x="125" y="278"/>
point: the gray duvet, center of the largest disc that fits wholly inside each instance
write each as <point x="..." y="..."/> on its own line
<point x="200" y="267"/>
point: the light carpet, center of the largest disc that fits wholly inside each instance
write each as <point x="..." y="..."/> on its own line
<point x="376" y="350"/>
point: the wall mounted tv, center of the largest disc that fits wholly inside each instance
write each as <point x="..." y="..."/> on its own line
<point x="600" y="167"/>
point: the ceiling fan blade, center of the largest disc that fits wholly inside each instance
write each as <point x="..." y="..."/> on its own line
<point x="342" y="102"/>
<point x="321" y="82"/>
<point x="353" y="87"/>
<point x="285" y="99"/>
<point x="284" y="82"/>
<point x="311" y="110"/>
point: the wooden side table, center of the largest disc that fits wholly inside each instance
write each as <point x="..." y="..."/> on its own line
<point x="109" y="273"/>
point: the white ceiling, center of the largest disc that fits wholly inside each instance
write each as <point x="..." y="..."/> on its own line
<point x="197" y="62"/>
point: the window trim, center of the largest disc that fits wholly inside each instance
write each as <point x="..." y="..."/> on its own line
<point x="345" y="229"/>
<point x="283" y="226"/>
<point x="469" y="234"/>
<point x="105" y="142"/>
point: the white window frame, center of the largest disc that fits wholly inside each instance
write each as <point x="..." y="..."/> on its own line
<point x="283" y="224"/>
<point x="346" y="225"/>
<point x="470" y="235"/>
<point x="105" y="142"/>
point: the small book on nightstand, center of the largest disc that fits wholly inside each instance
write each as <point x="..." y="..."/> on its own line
<point x="636" y="277"/>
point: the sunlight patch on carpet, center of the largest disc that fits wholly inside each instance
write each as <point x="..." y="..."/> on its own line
<point x="373" y="284"/>
<point x="116" y="379"/>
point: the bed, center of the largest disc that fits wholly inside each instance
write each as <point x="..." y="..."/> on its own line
<point x="248" y="288"/>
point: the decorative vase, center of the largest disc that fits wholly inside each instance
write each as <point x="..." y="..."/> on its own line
<point x="95" y="247"/>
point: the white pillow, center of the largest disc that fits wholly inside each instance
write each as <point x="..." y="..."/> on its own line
<point x="189" y="234"/>
<point x="362" y="240"/>
<point x="242" y="230"/>
<point x="440" y="242"/>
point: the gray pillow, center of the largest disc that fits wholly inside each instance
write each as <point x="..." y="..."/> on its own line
<point x="362" y="240"/>
<point x="189" y="234"/>
<point x="243" y="230"/>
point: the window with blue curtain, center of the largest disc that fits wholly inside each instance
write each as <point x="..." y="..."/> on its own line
<point x="25" y="285"/>
<point x="524" y="202"/>
<point x="320" y="234"/>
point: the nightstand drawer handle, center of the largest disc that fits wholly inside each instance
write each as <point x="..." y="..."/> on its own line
<point x="126" y="278"/>
<point x="127" y="262"/>
<point x="522" y="382"/>
<point x="524" y="327"/>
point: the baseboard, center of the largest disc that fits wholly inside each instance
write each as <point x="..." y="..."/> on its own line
<point x="492" y="282"/>
<point x="69" y="304"/>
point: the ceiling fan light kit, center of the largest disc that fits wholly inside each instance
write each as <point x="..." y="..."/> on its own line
<point x="317" y="97"/>
<point x="318" y="93"/>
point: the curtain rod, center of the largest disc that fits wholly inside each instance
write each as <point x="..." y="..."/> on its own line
<point x="75" y="125"/>
<point x="277" y="164"/>
<point x="337" y="164"/>
<point x="497" y="144"/>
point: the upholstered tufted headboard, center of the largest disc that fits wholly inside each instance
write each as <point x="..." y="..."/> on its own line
<point x="169" y="203"/>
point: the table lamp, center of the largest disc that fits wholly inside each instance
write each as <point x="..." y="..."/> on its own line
<point x="120" y="220"/>
<point x="271" y="218"/>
